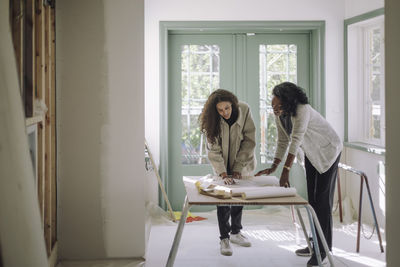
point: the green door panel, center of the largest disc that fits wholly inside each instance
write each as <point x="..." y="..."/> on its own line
<point x="184" y="75"/>
<point x="287" y="58"/>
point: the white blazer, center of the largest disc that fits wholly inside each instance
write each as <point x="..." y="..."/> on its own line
<point x="312" y="133"/>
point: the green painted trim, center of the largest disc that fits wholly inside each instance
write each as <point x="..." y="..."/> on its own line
<point x="365" y="16"/>
<point x="317" y="62"/>
<point x="347" y="22"/>
<point x="237" y="27"/>
<point x="366" y="148"/>
<point x="317" y="69"/>
<point x="163" y="112"/>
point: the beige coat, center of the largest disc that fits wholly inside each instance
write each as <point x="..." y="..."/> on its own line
<point x="239" y="142"/>
<point x="312" y="133"/>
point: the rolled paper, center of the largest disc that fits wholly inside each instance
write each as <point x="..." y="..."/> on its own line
<point x="268" y="192"/>
<point x="262" y="180"/>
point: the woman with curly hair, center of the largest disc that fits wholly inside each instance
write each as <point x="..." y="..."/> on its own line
<point x="300" y="126"/>
<point x="230" y="132"/>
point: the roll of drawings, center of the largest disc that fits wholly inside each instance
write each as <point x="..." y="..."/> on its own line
<point x="265" y="180"/>
<point x="268" y="192"/>
<point x="222" y="190"/>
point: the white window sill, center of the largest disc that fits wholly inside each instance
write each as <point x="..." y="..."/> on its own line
<point x="366" y="147"/>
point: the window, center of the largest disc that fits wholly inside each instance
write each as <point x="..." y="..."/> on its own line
<point x="200" y="76"/>
<point x="278" y="63"/>
<point x="365" y="82"/>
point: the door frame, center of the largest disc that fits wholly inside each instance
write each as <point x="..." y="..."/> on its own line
<point x="316" y="29"/>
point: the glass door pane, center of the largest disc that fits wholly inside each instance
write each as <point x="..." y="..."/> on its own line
<point x="278" y="63"/>
<point x="200" y="76"/>
<point x="198" y="65"/>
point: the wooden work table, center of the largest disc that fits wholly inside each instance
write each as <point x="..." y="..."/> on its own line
<point x="193" y="197"/>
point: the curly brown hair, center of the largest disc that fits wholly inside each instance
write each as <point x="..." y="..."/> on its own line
<point x="209" y="118"/>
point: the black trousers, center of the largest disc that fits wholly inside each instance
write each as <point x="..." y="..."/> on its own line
<point x="321" y="189"/>
<point x="223" y="214"/>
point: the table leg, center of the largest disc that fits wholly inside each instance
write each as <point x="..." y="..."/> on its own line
<point x="339" y="198"/>
<point x="378" y="231"/>
<point x="304" y="228"/>
<point x="314" y="235"/>
<point x="314" y="220"/>
<point x="359" y="214"/>
<point x="178" y="234"/>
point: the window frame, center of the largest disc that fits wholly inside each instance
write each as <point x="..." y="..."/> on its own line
<point x="355" y="64"/>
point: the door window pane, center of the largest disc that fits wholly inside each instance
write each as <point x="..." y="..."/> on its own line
<point x="278" y="63"/>
<point x="200" y="76"/>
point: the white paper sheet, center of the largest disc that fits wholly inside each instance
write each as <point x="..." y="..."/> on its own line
<point x="246" y="188"/>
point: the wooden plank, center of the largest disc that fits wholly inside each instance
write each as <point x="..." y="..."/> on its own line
<point x="39" y="50"/>
<point x="47" y="192"/>
<point x="17" y="30"/>
<point x="41" y="168"/>
<point x="53" y="126"/>
<point x="29" y="64"/>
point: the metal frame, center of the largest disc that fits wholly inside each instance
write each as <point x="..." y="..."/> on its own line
<point x="312" y="217"/>
<point x="363" y="177"/>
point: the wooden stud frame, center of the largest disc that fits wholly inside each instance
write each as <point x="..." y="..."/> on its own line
<point x="33" y="32"/>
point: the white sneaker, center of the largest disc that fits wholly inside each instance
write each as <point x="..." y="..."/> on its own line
<point x="225" y="247"/>
<point x="240" y="239"/>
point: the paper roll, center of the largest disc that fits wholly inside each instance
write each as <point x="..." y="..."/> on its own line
<point x="269" y="191"/>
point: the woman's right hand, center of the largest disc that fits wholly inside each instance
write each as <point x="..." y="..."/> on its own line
<point x="227" y="180"/>
<point x="266" y="171"/>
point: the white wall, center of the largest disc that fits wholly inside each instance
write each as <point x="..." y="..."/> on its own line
<point x="392" y="130"/>
<point x="357" y="7"/>
<point x="100" y="98"/>
<point x="21" y="234"/>
<point x="159" y="10"/>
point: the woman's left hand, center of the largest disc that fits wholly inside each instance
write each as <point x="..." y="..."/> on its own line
<point x="236" y="175"/>
<point x="284" y="181"/>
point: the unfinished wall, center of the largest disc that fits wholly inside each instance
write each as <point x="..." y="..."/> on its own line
<point x="21" y="235"/>
<point x="100" y="70"/>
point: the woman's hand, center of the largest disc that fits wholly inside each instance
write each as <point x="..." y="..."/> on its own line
<point x="284" y="181"/>
<point x="267" y="171"/>
<point x="237" y="175"/>
<point x="227" y="180"/>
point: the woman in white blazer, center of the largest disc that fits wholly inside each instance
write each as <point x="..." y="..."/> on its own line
<point x="230" y="131"/>
<point x="301" y="127"/>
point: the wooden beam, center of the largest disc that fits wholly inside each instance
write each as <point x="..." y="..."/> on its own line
<point x="47" y="158"/>
<point x="29" y="59"/>
<point x="39" y="50"/>
<point x="41" y="168"/>
<point x="17" y="34"/>
<point x="53" y="141"/>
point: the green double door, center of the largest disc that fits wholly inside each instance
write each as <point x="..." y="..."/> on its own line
<point x="249" y="65"/>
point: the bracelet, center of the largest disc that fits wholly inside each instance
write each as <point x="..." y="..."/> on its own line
<point x="286" y="167"/>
